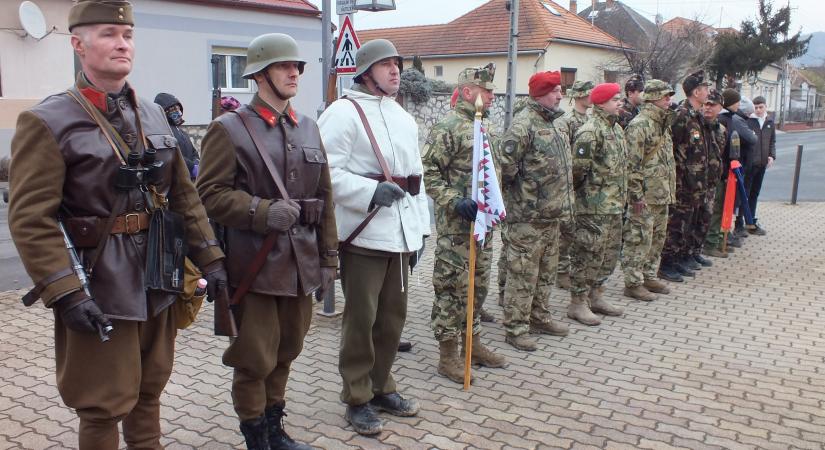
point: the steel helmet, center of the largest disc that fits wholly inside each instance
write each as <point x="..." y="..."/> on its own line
<point x="271" y="48"/>
<point x="372" y="52"/>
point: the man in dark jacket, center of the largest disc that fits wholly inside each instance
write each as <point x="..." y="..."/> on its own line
<point x="173" y="109"/>
<point x="763" y="157"/>
<point x="734" y="120"/>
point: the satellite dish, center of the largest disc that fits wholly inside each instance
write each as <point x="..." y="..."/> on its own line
<point x="31" y="17"/>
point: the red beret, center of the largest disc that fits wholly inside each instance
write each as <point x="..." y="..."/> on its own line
<point x="604" y="92"/>
<point x="543" y="82"/>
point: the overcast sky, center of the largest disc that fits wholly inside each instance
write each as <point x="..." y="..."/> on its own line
<point x="806" y="15"/>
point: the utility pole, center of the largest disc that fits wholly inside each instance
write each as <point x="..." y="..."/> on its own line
<point x="512" y="63"/>
<point x="326" y="50"/>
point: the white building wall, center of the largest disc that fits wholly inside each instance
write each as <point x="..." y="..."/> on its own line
<point x="175" y="40"/>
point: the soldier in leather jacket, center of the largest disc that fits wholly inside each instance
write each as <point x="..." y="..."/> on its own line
<point x="66" y="154"/>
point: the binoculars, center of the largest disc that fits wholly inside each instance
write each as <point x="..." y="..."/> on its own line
<point x="139" y="171"/>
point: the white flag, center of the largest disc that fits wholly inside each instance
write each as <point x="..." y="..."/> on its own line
<point x="486" y="191"/>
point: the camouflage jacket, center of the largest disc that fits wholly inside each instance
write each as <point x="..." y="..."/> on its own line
<point x="651" y="170"/>
<point x="627" y="112"/>
<point x="600" y="165"/>
<point x="691" y="139"/>
<point x="569" y="124"/>
<point x="448" y="160"/>
<point x="535" y="167"/>
<point x="716" y="151"/>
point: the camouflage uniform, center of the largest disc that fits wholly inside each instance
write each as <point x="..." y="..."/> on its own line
<point x="716" y="146"/>
<point x="537" y="185"/>
<point x="652" y="180"/>
<point x="600" y="181"/>
<point x="448" y="159"/>
<point x="715" y="234"/>
<point x="569" y="124"/>
<point x="628" y="111"/>
<point x="691" y="139"/>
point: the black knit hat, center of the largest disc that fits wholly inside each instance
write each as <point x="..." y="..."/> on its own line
<point x="730" y="97"/>
<point x="693" y="81"/>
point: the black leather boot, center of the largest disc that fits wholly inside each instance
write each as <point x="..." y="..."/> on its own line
<point x="255" y="433"/>
<point x="278" y="439"/>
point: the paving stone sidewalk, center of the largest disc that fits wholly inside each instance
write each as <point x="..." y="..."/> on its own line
<point x="732" y="359"/>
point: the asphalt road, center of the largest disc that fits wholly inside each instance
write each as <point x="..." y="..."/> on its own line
<point x="776" y="187"/>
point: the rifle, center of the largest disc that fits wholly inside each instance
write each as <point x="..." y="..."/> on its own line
<point x="80" y="271"/>
<point x="216" y="88"/>
<point x="225" y="322"/>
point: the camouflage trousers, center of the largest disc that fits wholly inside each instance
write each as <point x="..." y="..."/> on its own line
<point x="702" y="222"/>
<point x="451" y="281"/>
<point x="715" y="235"/>
<point x="682" y="217"/>
<point x="594" y="251"/>
<point x="643" y="237"/>
<point x="567" y="232"/>
<point x="532" y="260"/>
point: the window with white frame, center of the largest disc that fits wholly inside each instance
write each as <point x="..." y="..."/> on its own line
<point x="231" y="63"/>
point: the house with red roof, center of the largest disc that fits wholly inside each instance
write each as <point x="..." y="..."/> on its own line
<point x="550" y="38"/>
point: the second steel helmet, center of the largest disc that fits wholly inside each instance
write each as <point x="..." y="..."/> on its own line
<point x="271" y="48"/>
<point x="372" y="52"/>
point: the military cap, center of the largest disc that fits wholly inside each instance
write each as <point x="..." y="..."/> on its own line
<point x="714" y="97"/>
<point x="479" y="76"/>
<point x="656" y="90"/>
<point x="693" y="81"/>
<point x="581" y="89"/>
<point x="634" y="84"/>
<point x="88" y="12"/>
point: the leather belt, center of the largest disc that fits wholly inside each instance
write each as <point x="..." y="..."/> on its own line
<point x="131" y="223"/>
<point x="410" y="184"/>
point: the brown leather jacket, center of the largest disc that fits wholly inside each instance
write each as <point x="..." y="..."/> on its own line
<point x="237" y="189"/>
<point x="64" y="167"/>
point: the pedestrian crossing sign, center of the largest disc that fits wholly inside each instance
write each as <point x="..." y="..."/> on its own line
<point x="346" y="48"/>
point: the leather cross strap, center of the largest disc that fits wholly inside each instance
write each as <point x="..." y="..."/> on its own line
<point x="260" y="258"/>
<point x="381" y="162"/>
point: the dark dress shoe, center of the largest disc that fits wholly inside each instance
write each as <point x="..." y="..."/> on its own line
<point x="404" y="346"/>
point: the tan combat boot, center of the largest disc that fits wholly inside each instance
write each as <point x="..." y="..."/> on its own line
<point x="483" y="356"/>
<point x="521" y="342"/>
<point x="639" y="292"/>
<point x="657" y="286"/>
<point x="449" y="364"/>
<point x="563" y="281"/>
<point x="599" y="305"/>
<point x="579" y="310"/>
<point x="551" y="327"/>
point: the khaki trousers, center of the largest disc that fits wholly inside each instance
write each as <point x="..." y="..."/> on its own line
<point x="122" y="379"/>
<point x="374" y="315"/>
<point x="270" y="337"/>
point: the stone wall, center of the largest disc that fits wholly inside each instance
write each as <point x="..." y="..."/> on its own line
<point x="428" y="114"/>
<point x="196" y="133"/>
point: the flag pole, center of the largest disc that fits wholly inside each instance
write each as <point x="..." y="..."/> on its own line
<point x="468" y="335"/>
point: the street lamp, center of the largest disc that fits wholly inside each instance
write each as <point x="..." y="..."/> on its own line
<point x="374" y="5"/>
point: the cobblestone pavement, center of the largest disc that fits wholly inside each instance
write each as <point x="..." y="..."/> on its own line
<point x="733" y="359"/>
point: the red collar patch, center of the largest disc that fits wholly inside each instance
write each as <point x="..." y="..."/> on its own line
<point x="96" y="97"/>
<point x="268" y="116"/>
<point x="293" y="117"/>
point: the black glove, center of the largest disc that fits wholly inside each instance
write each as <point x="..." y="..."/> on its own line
<point x="386" y="193"/>
<point x="216" y="279"/>
<point x="417" y="255"/>
<point x="282" y="214"/>
<point x="79" y="312"/>
<point x="467" y="209"/>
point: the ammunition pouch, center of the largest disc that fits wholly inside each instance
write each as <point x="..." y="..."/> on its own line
<point x="410" y="184"/>
<point x="165" y="252"/>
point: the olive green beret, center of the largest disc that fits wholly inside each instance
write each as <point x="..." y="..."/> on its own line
<point x="88" y="12"/>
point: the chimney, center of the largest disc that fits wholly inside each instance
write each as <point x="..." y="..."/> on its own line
<point x="593" y="5"/>
<point x="610" y="4"/>
<point x="573" y="7"/>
